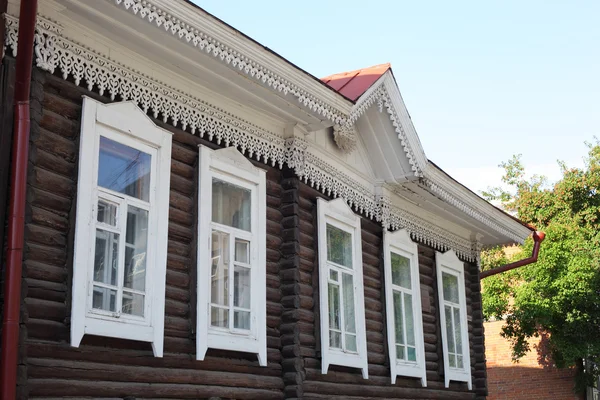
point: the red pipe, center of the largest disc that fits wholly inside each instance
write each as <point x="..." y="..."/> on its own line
<point x="538" y="238"/>
<point x="16" y="202"/>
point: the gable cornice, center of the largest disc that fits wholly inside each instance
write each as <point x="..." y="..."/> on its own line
<point x="386" y="95"/>
<point x="54" y="51"/>
<point x="205" y="35"/>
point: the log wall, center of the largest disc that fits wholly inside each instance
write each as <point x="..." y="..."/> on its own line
<point x="111" y="368"/>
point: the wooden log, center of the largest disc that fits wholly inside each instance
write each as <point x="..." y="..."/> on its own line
<point x="46" y="160"/>
<point x="45" y="254"/>
<point x="48" y="180"/>
<point x="49" y="219"/>
<point x="49" y="201"/>
<point x="62" y="106"/>
<point x="46" y="290"/>
<point x="45" y="236"/>
<point x="65" y="127"/>
<point x="87" y="388"/>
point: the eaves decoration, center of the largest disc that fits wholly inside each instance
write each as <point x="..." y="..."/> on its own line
<point x="56" y="53"/>
<point x="344" y="132"/>
<point x="194" y="36"/>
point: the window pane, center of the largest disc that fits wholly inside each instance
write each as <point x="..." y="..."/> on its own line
<point x="409" y="320"/>
<point x="136" y="237"/>
<point x="350" y="342"/>
<point x="400" y="352"/>
<point x="335" y="339"/>
<point x="399" y="325"/>
<point x="333" y="275"/>
<point x="241" y="287"/>
<point x="104" y="299"/>
<point x="219" y="317"/>
<point x="241" y="320"/>
<point x="242" y="251"/>
<point x="452" y="361"/>
<point x="107" y="212"/>
<point x="348" y="290"/>
<point x="334" y="307"/>
<point x="124" y="169"/>
<point x="106" y="257"/>
<point x="450" y="286"/>
<point x="400" y="271"/>
<point x="219" y="285"/>
<point x="412" y="353"/>
<point x="449" y="329"/>
<point x="457" y="330"/>
<point x="230" y="205"/>
<point x="133" y="304"/>
<point x="339" y="246"/>
<point x="459" y="362"/>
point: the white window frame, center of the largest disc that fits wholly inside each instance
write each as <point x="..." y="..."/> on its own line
<point x="339" y="214"/>
<point x="125" y="123"/>
<point x="231" y="166"/>
<point x="449" y="263"/>
<point x="399" y="242"/>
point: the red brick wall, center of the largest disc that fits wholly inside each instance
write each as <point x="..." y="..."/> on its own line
<point x="523" y="380"/>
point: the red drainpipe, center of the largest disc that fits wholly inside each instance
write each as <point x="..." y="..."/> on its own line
<point x="538" y="238"/>
<point x="16" y="202"/>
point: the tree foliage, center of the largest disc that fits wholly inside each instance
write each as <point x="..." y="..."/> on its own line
<point x="556" y="298"/>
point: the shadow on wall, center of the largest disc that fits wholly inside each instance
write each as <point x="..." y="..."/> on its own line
<point x="524" y="383"/>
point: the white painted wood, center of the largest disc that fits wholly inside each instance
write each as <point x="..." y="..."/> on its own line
<point x="126" y="124"/>
<point x="448" y="262"/>
<point x="336" y="212"/>
<point x="231" y="166"/>
<point x="400" y="243"/>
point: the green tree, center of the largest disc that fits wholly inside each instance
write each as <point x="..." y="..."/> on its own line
<point x="557" y="298"/>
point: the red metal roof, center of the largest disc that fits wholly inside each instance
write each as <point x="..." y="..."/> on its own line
<point x="353" y="84"/>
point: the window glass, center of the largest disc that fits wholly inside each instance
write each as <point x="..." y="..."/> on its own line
<point x="219" y="289"/>
<point x="335" y="324"/>
<point x="409" y="320"/>
<point x="349" y="314"/>
<point x="450" y="286"/>
<point x="339" y="246"/>
<point x="136" y="241"/>
<point x="133" y="303"/>
<point x="104" y="299"/>
<point x="107" y="212"/>
<point x="241" y="287"/>
<point x="231" y="205"/>
<point x="398" y="320"/>
<point x="124" y="169"/>
<point x="457" y="330"/>
<point x="400" y="271"/>
<point x="242" y="250"/>
<point x="241" y="320"/>
<point x="106" y="258"/>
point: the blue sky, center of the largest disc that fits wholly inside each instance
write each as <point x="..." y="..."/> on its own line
<point x="482" y="80"/>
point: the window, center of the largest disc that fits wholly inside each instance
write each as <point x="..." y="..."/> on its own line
<point x="343" y="338"/>
<point x="122" y="215"/>
<point x="403" y="306"/>
<point x="453" y="318"/>
<point x="231" y="254"/>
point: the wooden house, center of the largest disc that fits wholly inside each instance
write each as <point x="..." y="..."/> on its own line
<point x="204" y="219"/>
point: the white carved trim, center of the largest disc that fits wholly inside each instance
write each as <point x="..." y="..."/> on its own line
<point x="345" y="137"/>
<point x="470" y="210"/>
<point x="423" y="231"/>
<point x="103" y="75"/>
<point x="380" y="96"/>
<point x="197" y="38"/>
